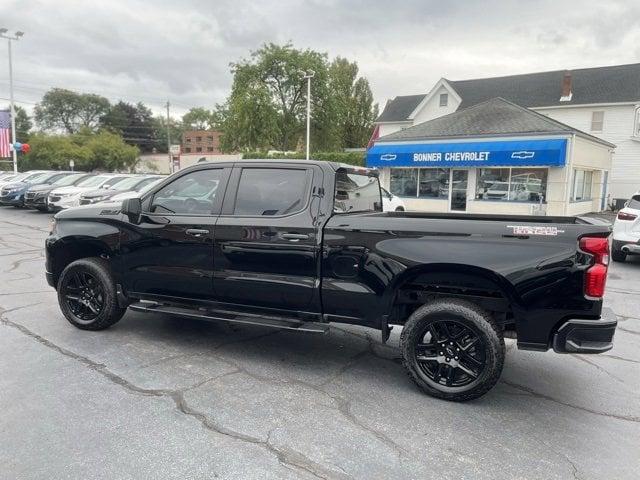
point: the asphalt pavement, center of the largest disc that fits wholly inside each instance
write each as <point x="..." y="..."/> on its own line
<point x="161" y="397"/>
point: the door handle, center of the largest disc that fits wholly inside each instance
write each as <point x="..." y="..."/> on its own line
<point x="294" y="237"/>
<point x="196" y="232"/>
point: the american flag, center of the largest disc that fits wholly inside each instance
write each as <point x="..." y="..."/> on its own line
<point x="5" y="133"/>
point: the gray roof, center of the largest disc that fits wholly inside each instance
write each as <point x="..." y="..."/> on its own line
<point x="400" y="108"/>
<point x="495" y="117"/>
<point x="618" y="83"/>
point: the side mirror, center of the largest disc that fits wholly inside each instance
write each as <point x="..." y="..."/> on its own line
<point x="132" y="208"/>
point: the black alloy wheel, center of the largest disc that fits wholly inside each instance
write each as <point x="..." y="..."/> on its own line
<point x="84" y="296"/>
<point x="450" y="354"/>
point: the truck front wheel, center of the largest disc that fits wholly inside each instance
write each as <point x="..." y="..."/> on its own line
<point x="87" y="295"/>
<point x="452" y="349"/>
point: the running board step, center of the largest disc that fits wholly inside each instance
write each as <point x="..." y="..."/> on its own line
<point x="228" y="316"/>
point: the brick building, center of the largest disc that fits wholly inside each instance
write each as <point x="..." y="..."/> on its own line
<point x="201" y="142"/>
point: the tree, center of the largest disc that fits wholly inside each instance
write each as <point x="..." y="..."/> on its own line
<point x="67" y="111"/>
<point x="199" y="118"/>
<point x="354" y="110"/>
<point x="88" y="150"/>
<point x="23" y="125"/>
<point x="159" y="124"/>
<point x="271" y="82"/>
<point x="133" y="122"/>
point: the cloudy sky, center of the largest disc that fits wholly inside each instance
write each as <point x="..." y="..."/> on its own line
<point x="180" y="50"/>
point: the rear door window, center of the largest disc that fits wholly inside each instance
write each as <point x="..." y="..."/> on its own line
<point x="272" y="191"/>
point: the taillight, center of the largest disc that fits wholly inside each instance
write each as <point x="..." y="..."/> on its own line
<point x="595" y="277"/>
<point x="626" y="216"/>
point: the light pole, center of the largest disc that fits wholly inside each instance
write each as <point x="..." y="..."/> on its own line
<point x="4" y="34"/>
<point x="308" y="75"/>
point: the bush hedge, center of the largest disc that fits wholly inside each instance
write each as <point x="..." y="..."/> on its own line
<point x="351" y="158"/>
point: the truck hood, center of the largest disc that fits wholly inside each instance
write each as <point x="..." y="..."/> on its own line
<point x="94" y="211"/>
<point x="18" y="185"/>
<point x="101" y="192"/>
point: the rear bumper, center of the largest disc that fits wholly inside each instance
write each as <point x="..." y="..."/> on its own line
<point x="50" y="279"/>
<point x="586" y="336"/>
<point x="628" y="246"/>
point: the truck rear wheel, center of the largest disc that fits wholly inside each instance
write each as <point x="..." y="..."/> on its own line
<point x="87" y="295"/>
<point x="452" y="349"/>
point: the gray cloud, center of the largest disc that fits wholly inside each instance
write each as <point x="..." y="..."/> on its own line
<point x="154" y="50"/>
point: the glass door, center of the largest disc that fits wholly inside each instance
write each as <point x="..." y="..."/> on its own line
<point x="458" y="194"/>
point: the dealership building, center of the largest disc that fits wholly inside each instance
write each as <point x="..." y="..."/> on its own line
<point x="494" y="157"/>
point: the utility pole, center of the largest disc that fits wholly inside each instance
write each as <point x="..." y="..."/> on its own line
<point x="169" y="139"/>
<point x="17" y="36"/>
<point x="308" y="76"/>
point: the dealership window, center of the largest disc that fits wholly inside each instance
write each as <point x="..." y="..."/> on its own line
<point x="420" y="182"/>
<point x="581" y="187"/>
<point x="597" y="121"/>
<point x="210" y="138"/>
<point x="198" y="139"/>
<point x="209" y="149"/>
<point x="187" y="150"/>
<point x="512" y="184"/>
<point x="188" y="139"/>
<point x="444" y="99"/>
<point x="198" y="149"/>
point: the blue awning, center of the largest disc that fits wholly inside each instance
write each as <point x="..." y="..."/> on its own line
<point x="507" y="153"/>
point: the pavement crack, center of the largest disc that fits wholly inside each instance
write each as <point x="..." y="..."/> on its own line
<point x="617" y="357"/>
<point x="533" y="393"/>
<point x="598" y="367"/>
<point x="285" y="456"/>
<point x="626" y="330"/>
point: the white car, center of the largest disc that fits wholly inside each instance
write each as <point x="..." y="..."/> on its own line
<point x="66" y="197"/>
<point x="132" y="193"/>
<point x="391" y="203"/>
<point x="626" y="230"/>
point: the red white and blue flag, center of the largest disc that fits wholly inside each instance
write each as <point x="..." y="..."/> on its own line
<point x="5" y="133"/>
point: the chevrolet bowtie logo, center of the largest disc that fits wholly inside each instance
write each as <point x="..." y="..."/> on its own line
<point x="523" y="154"/>
<point x="388" y="157"/>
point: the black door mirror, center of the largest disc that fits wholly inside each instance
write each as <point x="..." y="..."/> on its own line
<point x="132" y="208"/>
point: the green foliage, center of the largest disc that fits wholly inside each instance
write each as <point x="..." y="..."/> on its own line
<point x="64" y="110"/>
<point x="267" y="106"/>
<point x="159" y="124"/>
<point x="351" y="158"/>
<point x="23" y="125"/>
<point x="133" y="122"/>
<point x="89" y="151"/>
<point x="199" y="118"/>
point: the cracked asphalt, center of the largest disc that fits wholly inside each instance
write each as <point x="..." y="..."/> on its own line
<point x="161" y="397"/>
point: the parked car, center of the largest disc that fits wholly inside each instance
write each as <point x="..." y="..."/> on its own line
<point x="13" y="193"/>
<point x="133" y="184"/>
<point x="626" y="230"/>
<point x="298" y="244"/>
<point x="66" y="197"/>
<point x="119" y="197"/>
<point x="8" y="177"/>
<point x="390" y="202"/>
<point x="36" y="196"/>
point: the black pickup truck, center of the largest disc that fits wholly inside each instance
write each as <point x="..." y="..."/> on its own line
<point x="299" y="244"/>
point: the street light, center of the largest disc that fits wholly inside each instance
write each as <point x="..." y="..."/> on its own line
<point x="16" y="36"/>
<point x="308" y="75"/>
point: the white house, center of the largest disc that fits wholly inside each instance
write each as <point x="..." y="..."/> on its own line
<point x="603" y="102"/>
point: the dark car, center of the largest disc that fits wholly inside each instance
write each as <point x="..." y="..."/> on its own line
<point x="13" y="193"/>
<point x="300" y="244"/>
<point x="132" y="184"/>
<point x="36" y="195"/>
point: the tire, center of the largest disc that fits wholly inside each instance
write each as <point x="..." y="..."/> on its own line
<point x="618" y="255"/>
<point x="87" y="295"/>
<point x="429" y="361"/>
<point x="400" y="209"/>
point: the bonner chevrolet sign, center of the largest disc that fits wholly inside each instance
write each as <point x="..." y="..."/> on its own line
<point x="550" y="153"/>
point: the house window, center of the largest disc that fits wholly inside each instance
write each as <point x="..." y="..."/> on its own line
<point x="198" y="149"/>
<point x="512" y="184"/>
<point x="444" y="99"/>
<point x="198" y="139"/>
<point x="581" y="187"/>
<point x="187" y="149"/>
<point x="597" y="121"/>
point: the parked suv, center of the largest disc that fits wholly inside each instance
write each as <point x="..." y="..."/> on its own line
<point x="66" y="197"/>
<point x="626" y="230"/>
<point x="36" y="196"/>
<point x="13" y="193"/>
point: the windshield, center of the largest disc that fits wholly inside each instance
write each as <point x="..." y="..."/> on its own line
<point x="68" y="180"/>
<point x="634" y="202"/>
<point x="357" y="192"/>
<point x="128" y="183"/>
<point x="149" y="186"/>
<point x="94" y="181"/>
<point x="35" y="177"/>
